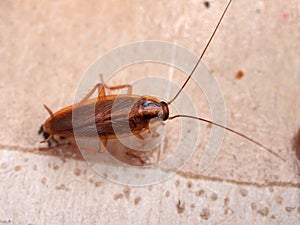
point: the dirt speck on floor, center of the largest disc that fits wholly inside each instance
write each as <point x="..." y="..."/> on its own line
<point x="180" y="207"/>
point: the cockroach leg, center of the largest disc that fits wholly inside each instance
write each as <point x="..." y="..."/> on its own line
<point x="48" y="137"/>
<point x="128" y="86"/>
<point x="153" y="125"/>
<point x="103" y="143"/>
<point x="139" y="136"/>
<point x="133" y="153"/>
<point x="117" y="87"/>
<point x="55" y="141"/>
<point x="84" y="148"/>
<point x="101" y="92"/>
<point x="154" y="133"/>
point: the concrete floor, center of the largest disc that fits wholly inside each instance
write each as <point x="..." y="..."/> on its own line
<point x="47" y="47"/>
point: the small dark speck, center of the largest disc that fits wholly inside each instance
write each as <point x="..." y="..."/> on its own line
<point x="205" y="214"/>
<point x="167" y="194"/>
<point x="206" y="4"/>
<point x="289" y="209"/>
<point x="273" y="217"/>
<point x="118" y="196"/>
<point x="137" y="200"/>
<point x="6" y="221"/>
<point x="180" y="207"/>
<point x="17" y="168"/>
<point x="296" y="144"/>
<point x="264" y="211"/>
<point x="239" y="74"/>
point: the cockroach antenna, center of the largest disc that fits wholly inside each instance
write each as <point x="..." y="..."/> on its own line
<point x="202" y="54"/>
<point x="205" y="120"/>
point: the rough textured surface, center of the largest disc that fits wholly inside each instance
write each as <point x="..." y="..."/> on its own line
<point x="47" y="46"/>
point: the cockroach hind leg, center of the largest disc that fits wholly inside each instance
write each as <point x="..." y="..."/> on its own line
<point x="133" y="153"/>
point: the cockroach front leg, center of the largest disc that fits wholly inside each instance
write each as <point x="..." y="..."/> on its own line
<point x="153" y="125"/>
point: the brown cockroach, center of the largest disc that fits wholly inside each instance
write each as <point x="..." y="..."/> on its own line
<point x="97" y="112"/>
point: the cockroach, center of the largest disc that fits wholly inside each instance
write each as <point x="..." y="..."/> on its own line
<point x="97" y="112"/>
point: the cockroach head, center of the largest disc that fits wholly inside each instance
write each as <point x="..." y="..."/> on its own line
<point x="152" y="108"/>
<point x="165" y="110"/>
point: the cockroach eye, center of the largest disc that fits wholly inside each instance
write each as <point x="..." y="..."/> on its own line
<point x="148" y="104"/>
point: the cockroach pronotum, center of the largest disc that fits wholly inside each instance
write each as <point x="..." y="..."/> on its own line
<point x="97" y="112"/>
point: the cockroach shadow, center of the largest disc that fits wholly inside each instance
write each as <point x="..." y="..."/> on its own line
<point x="296" y="144"/>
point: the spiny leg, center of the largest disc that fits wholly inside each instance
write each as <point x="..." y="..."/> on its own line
<point x="101" y="92"/>
<point x="49" y="139"/>
<point x="139" y="137"/>
<point x="103" y="143"/>
<point x="135" y="154"/>
<point x="128" y="86"/>
<point x="154" y="125"/>
<point x="117" y="87"/>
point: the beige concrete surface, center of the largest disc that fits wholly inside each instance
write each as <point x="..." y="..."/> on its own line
<point x="47" y="46"/>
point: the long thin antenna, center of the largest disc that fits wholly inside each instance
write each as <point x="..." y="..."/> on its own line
<point x="231" y="130"/>
<point x="201" y="56"/>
